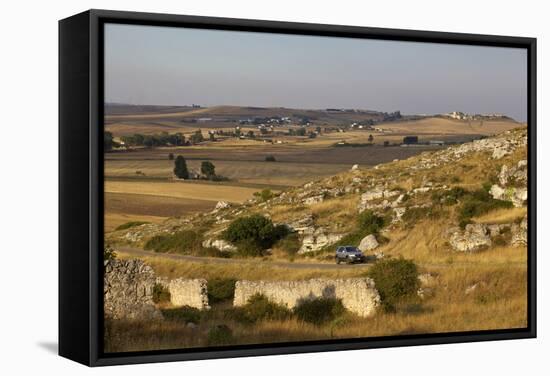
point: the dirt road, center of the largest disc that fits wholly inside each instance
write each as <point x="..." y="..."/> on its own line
<point x="217" y="260"/>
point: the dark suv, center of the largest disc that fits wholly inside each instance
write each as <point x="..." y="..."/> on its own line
<point x="349" y="254"/>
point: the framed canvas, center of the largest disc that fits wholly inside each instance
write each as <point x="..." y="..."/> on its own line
<point x="234" y="187"/>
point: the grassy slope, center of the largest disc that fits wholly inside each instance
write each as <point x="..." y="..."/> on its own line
<point x="499" y="274"/>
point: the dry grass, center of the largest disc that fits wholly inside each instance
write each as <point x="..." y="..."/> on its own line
<point x="250" y="172"/>
<point x="497" y="302"/>
<point x="253" y="269"/>
<point x="426" y="243"/>
<point x="339" y="211"/>
<point x="177" y="189"/>
<point x="113" y="220"/>
<point x="502" y="216"/>
<point x="450" y="126"/>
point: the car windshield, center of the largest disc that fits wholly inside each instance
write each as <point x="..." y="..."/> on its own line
<point x="352" y="249"/>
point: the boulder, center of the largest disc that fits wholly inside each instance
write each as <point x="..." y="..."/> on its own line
<point x="499" y="152"/>
<point x="219" y="244"/>
<point x="222" y="205"/>
<point x="474" y="238"/>
<point x="497" y="192"/>
<point x="368" y="243"/>
<point x="519" y="197"/>
<point x="354" y="167"/>
<point x="398" y="214"/>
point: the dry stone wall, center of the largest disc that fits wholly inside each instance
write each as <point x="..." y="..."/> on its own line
<point x="358" y="295"/>
<point x="187" y="292"/>
<point x="128" y="290"/>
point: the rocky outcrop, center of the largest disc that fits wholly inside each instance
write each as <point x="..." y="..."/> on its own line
<point x="219" y="244"/>
<point x="370" y="199"/>
<point x="187" y="292"/>
<point x="368" y="243"/>
<point x="220" y="205"/>
<point x="474" y="238"/>
<point x="315" y="239"/>
<point x="519" y="233"/>
<point x="314" y="199"/>
<point x="512" y="184"/>
<point x="358" y="295"/>
<point x="128" y="290"/>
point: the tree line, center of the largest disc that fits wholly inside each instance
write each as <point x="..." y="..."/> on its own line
<point x="152" y="140"/>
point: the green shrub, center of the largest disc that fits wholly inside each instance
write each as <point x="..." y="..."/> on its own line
<point x="131" y="224"/>
<point x="479" y="202"/>
<point x="221" y="289"/>
<point x="109" y="253"/>
<point x="370" y="223"/>
<point x="258" y="308"/>
<point x="253" y="234"/>
<point x="160" y="293"/>
<point x="319" y="310"/>
<point x="186" y="241"/>
<point x="220" y="335"/>
<point x="290" y="244"/>
<point x="270" y="158"/>
<point x="395" y="280"/>
<point x="264" y="195"/>
<point x="182" y="314"/>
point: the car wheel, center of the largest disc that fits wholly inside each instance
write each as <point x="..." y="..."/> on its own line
<point x="337" y="261"/>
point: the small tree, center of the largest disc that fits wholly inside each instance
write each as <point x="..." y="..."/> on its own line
<point x="370" y="138"/>
<point x="197" y="137"/>
<point x="270" y="158"/>
<point x="180" y="168"/>
<point x="395" y="280"/>
<point x="208" y="169"/>
<point x="254" y="233"/>
<point x="107" y="141"/>
<point x="369" y="222"/>
<point x="171" y="156"/>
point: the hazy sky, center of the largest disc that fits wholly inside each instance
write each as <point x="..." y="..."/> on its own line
<point x="177" y="66"/>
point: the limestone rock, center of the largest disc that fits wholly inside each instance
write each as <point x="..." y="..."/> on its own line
<point x="368" y="243"/>
<point x="317" y="240"/>
<point x="313" y="199"/>
<point x="497" y="192"/>
<point x="474" y="238"/>
<point x="222" y="205"/>
<point x="219" y="244"/>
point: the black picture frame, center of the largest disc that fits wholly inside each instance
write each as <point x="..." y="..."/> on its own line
<point x="81" y="185"/>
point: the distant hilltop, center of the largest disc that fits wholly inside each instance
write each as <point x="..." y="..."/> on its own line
<point x="465" y="116"/>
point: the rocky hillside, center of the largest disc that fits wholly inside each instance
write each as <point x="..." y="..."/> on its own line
<point x="465" y="198"/>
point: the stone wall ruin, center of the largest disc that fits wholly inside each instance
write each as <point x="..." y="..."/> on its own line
<point x="187" y="292"/>
<point x="128" y="290"/>
<point x="358" y="295"/>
